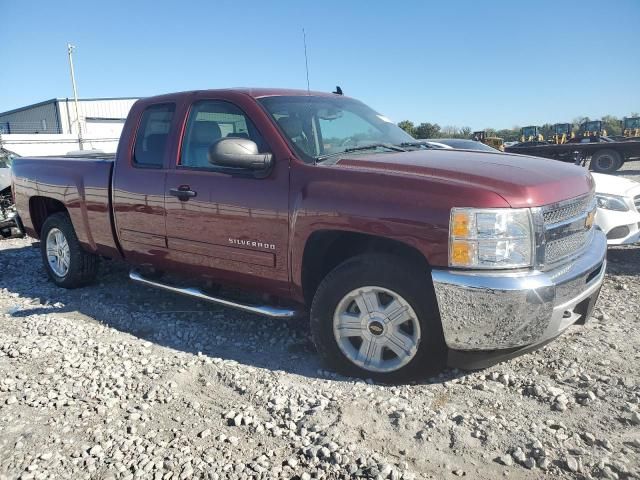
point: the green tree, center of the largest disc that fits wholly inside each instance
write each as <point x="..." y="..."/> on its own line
<point x="509" y="134"/>
<point x="427" y="130"/>
<point x="612" y="124"/>
<point x="448" y="131"/>
<point x="579" y="121"/>
<point x="408" y="127"/>
<point x="547" y="131"/>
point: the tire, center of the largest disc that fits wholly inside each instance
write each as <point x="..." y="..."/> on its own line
<point x="605" y="161"/>
<point x="82" y="267"/>
<point x="380" y="277"/>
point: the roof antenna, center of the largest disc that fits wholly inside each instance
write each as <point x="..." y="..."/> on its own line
<point x="338" y="90"/>
<point x="306" y="60"/>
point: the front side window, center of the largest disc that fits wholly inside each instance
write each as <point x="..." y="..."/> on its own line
<point x="152" y="136"/>
<point x="208" y="122"/>
<point x="319" y="126"/>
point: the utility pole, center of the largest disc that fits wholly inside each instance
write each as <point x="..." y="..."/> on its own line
<point x="70" y="49"/>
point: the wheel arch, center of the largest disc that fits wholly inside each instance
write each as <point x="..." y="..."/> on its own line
<point x="326" y="249"/>
<point x="41" y="208"/>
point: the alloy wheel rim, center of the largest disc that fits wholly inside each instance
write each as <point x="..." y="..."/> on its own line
<point x="376" y="329"/>
<point x="58" y="253"/>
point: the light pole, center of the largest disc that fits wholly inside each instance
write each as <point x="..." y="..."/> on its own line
<point x="70" y="49"/>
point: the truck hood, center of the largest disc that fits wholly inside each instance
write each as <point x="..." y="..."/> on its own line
<point x="521" y="180"/>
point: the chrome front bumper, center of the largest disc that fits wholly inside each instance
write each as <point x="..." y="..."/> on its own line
<point x="500" y="310"/>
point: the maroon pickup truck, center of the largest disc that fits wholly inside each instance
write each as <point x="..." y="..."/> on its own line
<point x="406" y="257"/>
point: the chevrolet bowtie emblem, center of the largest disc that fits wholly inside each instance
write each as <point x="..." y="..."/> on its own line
<point x="588" y="222"/>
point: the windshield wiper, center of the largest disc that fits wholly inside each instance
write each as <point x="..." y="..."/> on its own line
<point x="416" y="144"/>
<point x="371" y="146"/>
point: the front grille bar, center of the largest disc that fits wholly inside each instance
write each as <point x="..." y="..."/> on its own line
<point x="561" y="230"/>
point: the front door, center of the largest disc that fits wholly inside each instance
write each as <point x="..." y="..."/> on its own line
<point x="226" y="224"/>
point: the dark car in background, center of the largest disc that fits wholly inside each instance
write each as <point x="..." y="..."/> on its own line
<point x="460" y="144"/>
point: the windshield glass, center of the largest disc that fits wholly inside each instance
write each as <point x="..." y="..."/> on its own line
<point x="632" y="122"/>
<point x="321" y="126"/>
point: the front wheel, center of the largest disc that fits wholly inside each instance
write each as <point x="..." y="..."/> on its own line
<point x="65" y="262"/>
<point x="375" y="316"/>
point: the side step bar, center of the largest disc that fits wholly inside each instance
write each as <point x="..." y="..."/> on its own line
<point x="265" y="310"/>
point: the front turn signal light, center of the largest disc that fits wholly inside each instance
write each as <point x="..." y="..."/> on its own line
<point x="462" y="253"/>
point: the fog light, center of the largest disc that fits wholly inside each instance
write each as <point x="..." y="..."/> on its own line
<point x="618" y="232"/>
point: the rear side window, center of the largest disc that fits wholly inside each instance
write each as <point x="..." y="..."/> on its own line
<point x="209" y="121"/>
<point x="152" y="136"/>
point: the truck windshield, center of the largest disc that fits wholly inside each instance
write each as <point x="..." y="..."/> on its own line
<point x="319" y="127"/>
<point x="632" y="122"/>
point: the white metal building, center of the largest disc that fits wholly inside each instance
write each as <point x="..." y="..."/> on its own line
<point x="51" y="127"/>
<point x="98" y="116"/>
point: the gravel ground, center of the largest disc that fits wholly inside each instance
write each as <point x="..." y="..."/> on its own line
<point x="121" y="381"/>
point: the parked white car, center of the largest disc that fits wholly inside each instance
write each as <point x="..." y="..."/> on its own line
<point x="618" y="213"/>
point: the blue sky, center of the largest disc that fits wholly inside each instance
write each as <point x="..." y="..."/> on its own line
<point x="464" y="63"/>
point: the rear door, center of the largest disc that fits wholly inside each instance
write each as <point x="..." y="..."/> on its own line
<point x="233" y="225"/>
<point x="139" y="183"/>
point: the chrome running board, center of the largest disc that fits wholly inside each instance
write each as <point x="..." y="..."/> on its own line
<point x="265" y="310"/>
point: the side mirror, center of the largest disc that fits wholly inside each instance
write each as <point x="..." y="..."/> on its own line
<point x="238" y="153"/>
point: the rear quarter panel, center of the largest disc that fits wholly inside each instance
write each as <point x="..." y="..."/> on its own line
<point x="81" y="185"/>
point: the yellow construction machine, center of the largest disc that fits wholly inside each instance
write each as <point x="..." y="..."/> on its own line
<point x="592" y="128"/>
<point x="495" y="142"/>
<point x="562" y="132"/>
<point x="531" y="134"/>
<point x="631" y="127"/>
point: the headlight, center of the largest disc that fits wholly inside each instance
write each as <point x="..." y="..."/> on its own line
<point x="492" y="238"/>
<point x="611" y="202"/>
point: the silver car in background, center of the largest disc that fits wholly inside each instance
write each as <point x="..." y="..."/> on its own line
<point x="9" y="221"/>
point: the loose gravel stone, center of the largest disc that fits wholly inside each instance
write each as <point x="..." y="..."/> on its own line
<point x="118" y="381"/>
<point x="572" y="464"/>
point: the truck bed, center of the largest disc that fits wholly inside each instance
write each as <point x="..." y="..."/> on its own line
<point x="81" y="183"/>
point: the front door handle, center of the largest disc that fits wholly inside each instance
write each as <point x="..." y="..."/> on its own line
<point x="183" y="192"/>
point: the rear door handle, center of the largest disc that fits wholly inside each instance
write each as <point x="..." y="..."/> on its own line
<point x="183" y="192"/>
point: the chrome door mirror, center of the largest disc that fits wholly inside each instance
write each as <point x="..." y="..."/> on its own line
<point x="238" y="153"/>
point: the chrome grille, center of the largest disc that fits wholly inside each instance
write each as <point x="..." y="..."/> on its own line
<point x="565" y="232"/>
<point x="566" y="210"/>
<point x="563" y="247"/>
<point x="636" y="202"/>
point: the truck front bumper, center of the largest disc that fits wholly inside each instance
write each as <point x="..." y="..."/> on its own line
<point x="510" y="312"/>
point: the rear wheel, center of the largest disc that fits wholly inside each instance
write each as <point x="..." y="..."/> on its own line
<point x="65" y="262"/>
<point x="376" y="316"/>
<point x="606" y="161"/>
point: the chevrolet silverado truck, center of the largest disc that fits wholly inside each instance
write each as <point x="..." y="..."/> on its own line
<point x="404" y="257"/>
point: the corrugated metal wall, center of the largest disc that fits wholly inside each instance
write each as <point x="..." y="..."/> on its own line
<point x="92" y="112"/>
<point x="42" y="118"/>
<point x="59" y="116"/>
